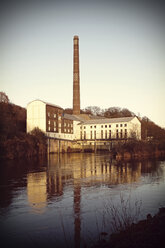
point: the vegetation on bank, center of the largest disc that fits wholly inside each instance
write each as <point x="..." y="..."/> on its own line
<point x="146" y="233"/>
<point x="139" y="149"/>
<point x="14" y="141"/>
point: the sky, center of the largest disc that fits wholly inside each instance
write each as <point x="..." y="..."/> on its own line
<point x="121" y="46"/>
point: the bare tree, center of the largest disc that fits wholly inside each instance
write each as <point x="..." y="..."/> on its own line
<point x="93" y="110"/>
<point x="3" y="97"/>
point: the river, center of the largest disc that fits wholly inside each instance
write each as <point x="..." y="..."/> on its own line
<point x="67" y="200"/>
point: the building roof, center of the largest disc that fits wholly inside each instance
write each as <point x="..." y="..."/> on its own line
<point x="73" y="117"/>
<point x="108" y="120"/>
<point x="47" y="103"/>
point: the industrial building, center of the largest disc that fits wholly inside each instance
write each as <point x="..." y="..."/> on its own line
<point x="52" y="120"/>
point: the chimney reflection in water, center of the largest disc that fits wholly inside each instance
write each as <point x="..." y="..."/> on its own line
<point x="81" y="168"/>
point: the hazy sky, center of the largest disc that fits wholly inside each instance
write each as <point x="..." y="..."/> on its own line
<point x="122" y="53"/>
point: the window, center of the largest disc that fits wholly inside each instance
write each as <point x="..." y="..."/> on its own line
<point x="109" y="134"/>
<point x="59" y="117"/>
<point x="117" y="134"/>
<point x="64" y="124"/>
<point x="49" y="122"/>
<point x="105" y="134"/>
<point x="65" y="130"/>
<point x="125" y="125"/>
<point x="125" y="133"/>
<point x="84" y="134"/>
<point x="59" y="124"/>
<point x="109" y="125"/>
<point x="91" y="134"/>
<point x="48" y="128"/>
<point x="94" y="126"/>
<point x="54" y="123"/>
<point x="117" y="125"/>
<point x="101" y="126"/>
<point x="91" y="126"/>
<point x="95" y="134"/>
<point x="54" y="115"/>
<point x="101" y="134"/>
<point x="80" y="127"/>
<point x="105" y="125"/>
<point x="54" y="128"/>
<point x="84" y="127"/>
<point x="81" y="135"/>
<point x="121" y="134"/>
<point x="48" y="113"/>
<point x="121" y="125"/>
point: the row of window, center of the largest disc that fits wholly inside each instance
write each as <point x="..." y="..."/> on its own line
<point x="54" y="129"/>
<point x="55" y="115"/>
<point x="68" y="130"/>
<point x="102" y="126"/>
<point x="65" y="130"/>
<point x="68" y="124"/>
<point x="120" y="134"/>
<point x="59" y="124"/>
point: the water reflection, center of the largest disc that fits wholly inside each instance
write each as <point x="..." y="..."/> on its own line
<point x="36" y="190"/>
<point x="89" y="170"/>
<point x="78" y="170"/>
<point x="67" y="177"/>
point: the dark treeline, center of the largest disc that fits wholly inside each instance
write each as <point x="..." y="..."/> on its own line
<point x="14" y="141"/>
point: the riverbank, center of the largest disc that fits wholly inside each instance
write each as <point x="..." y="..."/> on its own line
<point x="139" y="149"/>
<point x="146" y="233"/>
<point x="24" y="145"/>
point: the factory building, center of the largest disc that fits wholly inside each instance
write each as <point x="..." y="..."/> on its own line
<point x="50" y="118"/>
<point x="110" y="129"/>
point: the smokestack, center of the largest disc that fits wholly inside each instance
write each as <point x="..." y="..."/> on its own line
<point x="76" y="78"/>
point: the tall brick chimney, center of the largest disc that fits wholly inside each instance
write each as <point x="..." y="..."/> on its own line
<point x="76" y="78"/>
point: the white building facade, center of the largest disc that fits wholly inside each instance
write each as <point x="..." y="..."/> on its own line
<point x="109" y="129"/>
<point x="50" y="119"/>
<point x="54" y="123"/>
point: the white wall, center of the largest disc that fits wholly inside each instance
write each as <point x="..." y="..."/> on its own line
<point x="36" y="115"/>
<point x="135" y="126"/>
<point x="132" y="126"/>
<point x="64" y="136"/>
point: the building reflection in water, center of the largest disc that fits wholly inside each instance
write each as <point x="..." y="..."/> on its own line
<point x="37" y="191"/>
<point x="77" y="171"/>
